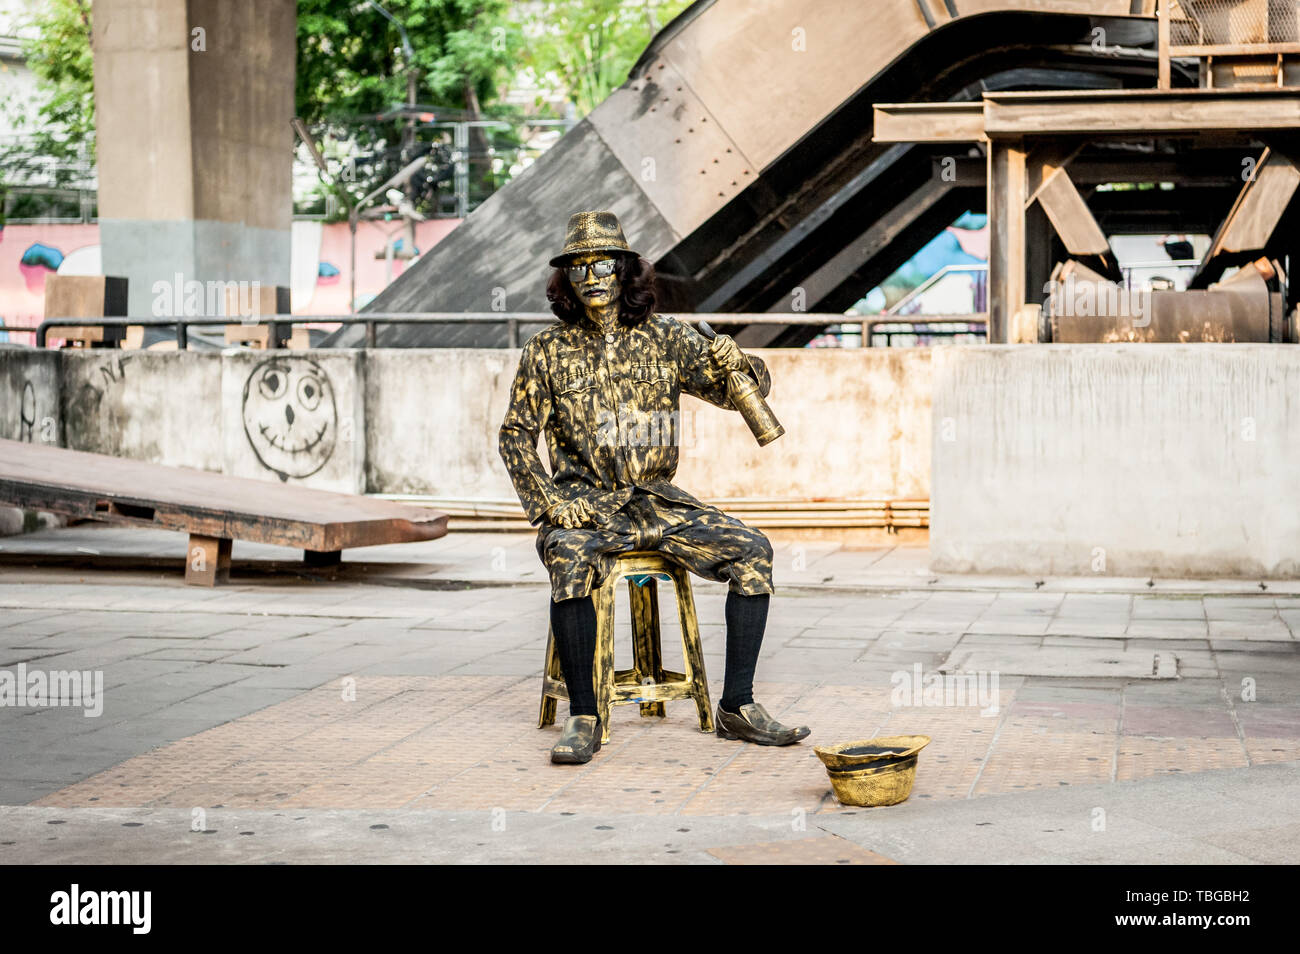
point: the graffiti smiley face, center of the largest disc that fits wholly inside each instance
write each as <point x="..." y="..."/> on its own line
<point x="290" y="416"/>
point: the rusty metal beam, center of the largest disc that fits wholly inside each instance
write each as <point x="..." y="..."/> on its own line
<point x="1254" y="216"/>
<point x="1070" y="216"/>
<point x="928" y="122"/>
<point x="1007" y="192"/>
<point x="1193" y="112"/>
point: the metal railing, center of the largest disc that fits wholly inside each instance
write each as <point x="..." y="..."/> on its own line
<point x="924" y="327"/>
<point x="279" y="324"/>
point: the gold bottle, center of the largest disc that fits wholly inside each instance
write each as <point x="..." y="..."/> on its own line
<point x="745" y="398"/>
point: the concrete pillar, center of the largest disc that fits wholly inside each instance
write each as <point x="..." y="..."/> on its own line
<point x="193" y="104"/>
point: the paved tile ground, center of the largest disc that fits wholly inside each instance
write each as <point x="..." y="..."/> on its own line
<point x="406" y="688"/>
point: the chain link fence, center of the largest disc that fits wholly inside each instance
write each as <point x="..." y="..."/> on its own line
<point x="1199" y="23"/>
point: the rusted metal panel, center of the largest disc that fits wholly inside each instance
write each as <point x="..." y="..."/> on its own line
<point x="667" y="138"/>
<point x="805" y="58"/>
<point x="1112" y="314"/>
<point x="1254" y="217"/>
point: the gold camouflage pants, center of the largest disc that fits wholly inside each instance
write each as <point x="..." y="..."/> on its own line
<point x="706" y="541"/>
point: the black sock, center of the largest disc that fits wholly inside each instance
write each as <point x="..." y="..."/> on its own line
<point x="573" y="623"/>
<point x="746" y="620"/>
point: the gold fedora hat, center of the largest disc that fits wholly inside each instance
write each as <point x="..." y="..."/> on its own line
<point x="592" y="232"/>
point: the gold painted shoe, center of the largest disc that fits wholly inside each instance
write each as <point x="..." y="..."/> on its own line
<point x="579" y="741"/>
<point x="753" y="724"/>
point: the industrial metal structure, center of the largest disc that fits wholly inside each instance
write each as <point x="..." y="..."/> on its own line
<point x="866" y="128"/>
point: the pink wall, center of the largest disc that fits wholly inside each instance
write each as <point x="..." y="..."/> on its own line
<point x="74" y="249"/>
<point x="330" y="295"/>
<point x="22" y="286"/>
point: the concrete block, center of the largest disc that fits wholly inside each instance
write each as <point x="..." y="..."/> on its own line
<point x="1119" y="460"/>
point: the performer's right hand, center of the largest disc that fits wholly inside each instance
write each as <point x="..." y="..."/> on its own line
<point x="573" y="513"/>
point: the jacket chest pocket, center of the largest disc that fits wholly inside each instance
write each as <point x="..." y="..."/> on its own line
<point x="575" y="383"/>
<point x="653" y="375"/>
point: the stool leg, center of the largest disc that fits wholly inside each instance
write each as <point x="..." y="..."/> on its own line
<point x="645" y="640"/>
<point x="692" y="652"/>
<point x="546" y="716"/>
<point x="603" y="597"/>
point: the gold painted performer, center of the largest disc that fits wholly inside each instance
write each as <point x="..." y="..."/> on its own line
<point x="601" y="384"/>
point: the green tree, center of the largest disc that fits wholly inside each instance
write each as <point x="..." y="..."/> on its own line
<point x="62" y="126"/>
<point x="351" y="61"/>
<point x="585" y="48"/>
<point x="353" y="71"/>
<point x="59" y="54"/>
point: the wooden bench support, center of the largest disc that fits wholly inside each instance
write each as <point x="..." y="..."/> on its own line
<point x="207" y="561"/>
<point x="211" y="509"/>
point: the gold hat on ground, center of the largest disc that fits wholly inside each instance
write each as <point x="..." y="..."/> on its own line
<point x="873" y="772"/>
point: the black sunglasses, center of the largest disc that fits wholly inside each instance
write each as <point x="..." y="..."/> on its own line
<point x="602" y="269"/>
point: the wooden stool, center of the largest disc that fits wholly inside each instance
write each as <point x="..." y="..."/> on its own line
<point x="647" y="683"/>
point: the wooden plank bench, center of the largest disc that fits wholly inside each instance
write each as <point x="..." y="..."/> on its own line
<point x="212" y="508"/>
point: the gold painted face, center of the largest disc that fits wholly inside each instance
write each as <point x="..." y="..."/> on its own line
<point x="592" y="290"/>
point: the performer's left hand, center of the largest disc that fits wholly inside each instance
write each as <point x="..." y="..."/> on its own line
<point x="727" y="354"/>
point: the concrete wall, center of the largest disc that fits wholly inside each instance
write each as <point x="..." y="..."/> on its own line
<point x="434" y="417"/>
<point x="285" y="416"/>
<point x="29" y="396"/>
<point x="294" y="416"/>
<point x="426" y="421"/>
<point x="857" y="425"/>
<point x="29" y="411"/>
<point x="1118" y="460"/>
<point x="1112" y="460"/>
<point x="160" y="406"/>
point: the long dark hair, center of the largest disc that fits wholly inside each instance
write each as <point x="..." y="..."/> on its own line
<point x="635" y="304"/>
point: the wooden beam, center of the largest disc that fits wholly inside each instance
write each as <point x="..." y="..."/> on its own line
<point x="207" y="560"/>
<point x="1045" y="159"/>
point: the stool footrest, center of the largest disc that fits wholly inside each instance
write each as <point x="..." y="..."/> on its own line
<point x="555" y="688"/>
<point x="659" y="692"/>
<point x="634" y="677"/>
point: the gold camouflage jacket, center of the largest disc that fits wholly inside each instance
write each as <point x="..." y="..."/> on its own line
<point x="610" y="406"/>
